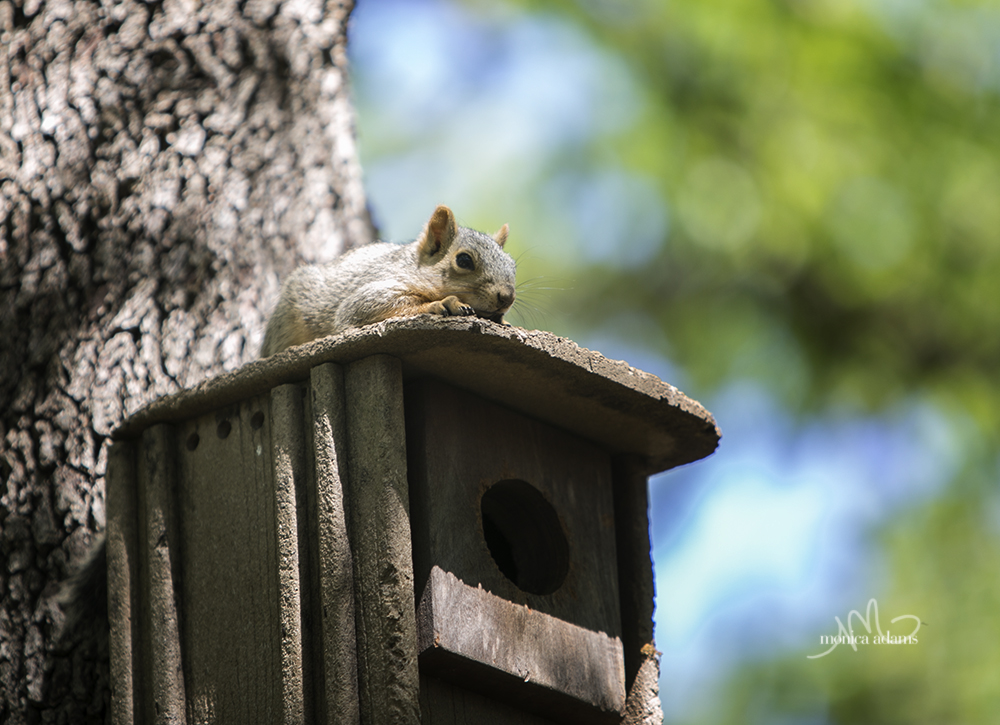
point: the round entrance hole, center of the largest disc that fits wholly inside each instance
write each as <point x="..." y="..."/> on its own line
<point x="524" y="536"/>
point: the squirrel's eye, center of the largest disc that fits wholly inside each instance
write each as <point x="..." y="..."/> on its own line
<point x="464" y="261"/>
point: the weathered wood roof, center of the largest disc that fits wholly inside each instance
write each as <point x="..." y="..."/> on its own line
<point x="536" y="373"/>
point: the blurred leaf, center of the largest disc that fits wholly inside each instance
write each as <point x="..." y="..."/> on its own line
<point x="832" y="172"/>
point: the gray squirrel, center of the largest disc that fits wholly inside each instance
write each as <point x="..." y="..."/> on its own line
<point x="447" y="270"/>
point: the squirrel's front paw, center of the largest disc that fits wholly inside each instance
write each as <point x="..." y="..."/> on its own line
<point x="451" y="305"/>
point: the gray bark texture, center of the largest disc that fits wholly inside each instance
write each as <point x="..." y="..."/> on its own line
<point x="162" y="167"/>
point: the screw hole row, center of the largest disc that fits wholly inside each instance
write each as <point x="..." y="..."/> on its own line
<point x="224" y="429"/>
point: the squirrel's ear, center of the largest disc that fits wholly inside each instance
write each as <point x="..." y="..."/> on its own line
<point x="439" y="233"/>
<point x="501" y="236"/>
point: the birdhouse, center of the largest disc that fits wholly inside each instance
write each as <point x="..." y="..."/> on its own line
<point x="433" y="520"/>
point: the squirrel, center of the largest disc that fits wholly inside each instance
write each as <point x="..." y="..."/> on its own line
<point x="447" y="270"/>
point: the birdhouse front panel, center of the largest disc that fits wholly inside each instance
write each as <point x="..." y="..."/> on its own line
<point x="514" y="539"/>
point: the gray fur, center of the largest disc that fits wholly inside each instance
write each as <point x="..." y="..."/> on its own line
<point x="383" y="280"/>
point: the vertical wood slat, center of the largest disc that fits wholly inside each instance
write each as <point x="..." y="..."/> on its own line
<point x="229" y="595"/>
<point x="159" y="542"/>
<point x="379" y="525"/>
<point x="288" y="446"/>
<point x="123" y="568"/>
<point x="339" y="690"/>
<point x="635" y="565"/>
<point x="636" y="584"/>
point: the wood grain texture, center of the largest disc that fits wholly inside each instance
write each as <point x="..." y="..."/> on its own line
<point x="460" y="446"/>
<point x="509" y="651"/>
<point x="123" y="582"/>
<point x="635" y="564"/>
<point x="160" y="546"/>
<point x="230" y="584"/>
<point x="546" y="377"/>
<point x="636" y="583"/>
<point x="380" y="537"/>
<point x="642" y="706"/>
<point x="288" y="455"/>
<point x="335" y="565"/>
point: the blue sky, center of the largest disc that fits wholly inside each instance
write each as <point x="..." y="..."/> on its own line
<point x="756" y="549"/>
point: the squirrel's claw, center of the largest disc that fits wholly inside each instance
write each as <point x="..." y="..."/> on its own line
<point x="451" y="305"/>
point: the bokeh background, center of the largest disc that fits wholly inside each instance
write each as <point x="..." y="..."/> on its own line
<point x="790" y="209"/>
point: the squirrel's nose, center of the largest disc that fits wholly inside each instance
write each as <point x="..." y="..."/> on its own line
<point x="505" y="298"/>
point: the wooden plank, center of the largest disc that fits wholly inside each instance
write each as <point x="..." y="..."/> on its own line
<point x="339" y="691"/>
<point x="635" y="565"/>
<point x="379" y="523"/>
<point x="123" y="572"/>
<point x="229" y="585"/>
<point x="511" y="652"/>
<point x="547" y="377"/>
<point x="288" y="454"/>
<point x="635" y="576"/>
<point x="161" y="645"/>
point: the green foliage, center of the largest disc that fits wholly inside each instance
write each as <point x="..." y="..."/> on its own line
<point x="832" y="177"/>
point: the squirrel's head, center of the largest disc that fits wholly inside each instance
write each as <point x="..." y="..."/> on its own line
<point x="472" y="265"/>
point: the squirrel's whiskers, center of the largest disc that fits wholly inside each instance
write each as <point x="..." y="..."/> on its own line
<point x="533" y="300"/>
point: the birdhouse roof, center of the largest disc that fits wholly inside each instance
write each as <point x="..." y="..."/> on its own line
<point x="536" y="373"/>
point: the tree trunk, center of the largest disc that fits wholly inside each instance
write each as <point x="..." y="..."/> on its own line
<point x="162" y="166"/>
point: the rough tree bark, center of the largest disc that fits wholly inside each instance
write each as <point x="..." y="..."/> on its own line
<point x="162" y="166"/>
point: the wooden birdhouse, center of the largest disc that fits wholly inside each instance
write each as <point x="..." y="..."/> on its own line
<point x="436" y="520"/>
